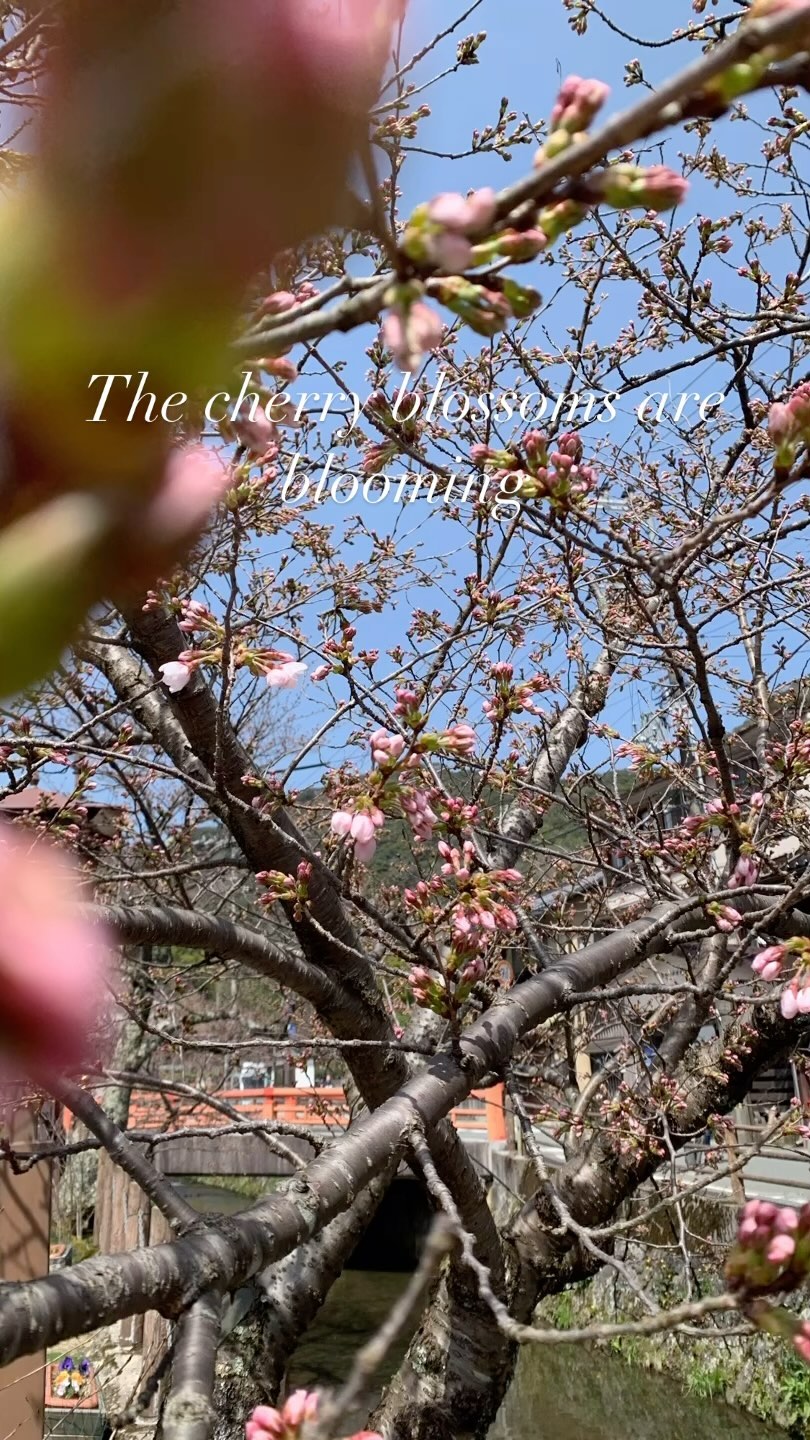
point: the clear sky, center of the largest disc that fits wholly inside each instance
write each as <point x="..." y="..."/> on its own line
<point x="530" y="47"/>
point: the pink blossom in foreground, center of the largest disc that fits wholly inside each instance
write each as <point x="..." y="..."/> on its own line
<point x="761" y="8"/>
<point x="417" y="811"/>
<point x="801" y="1341"/>
<point x="341" y="822"/>
<point x="268" y="1423"/>
<point x="176" y="675"/>
<point x="780" y="423"/>
<point x="421" y="984"/>
<point x="226" y="77"/>
<point x="194" y="480"/>
<point x="412" y="332"/>
<point x="795" y="1000"/>
<point x="657" y="187"/>
<point x="256" y="431"/>
<point x="789" y="423"/>
<point x="464" y="215"/>
<point x="278" y="303"/>
<point x="772" y="1249"/>
<point x="577" y="103"/>
<point x="54" y="964"/>
<point x="285" y="676"/>
<point x="789" y="1004"/>
<point x="362" y="828"/>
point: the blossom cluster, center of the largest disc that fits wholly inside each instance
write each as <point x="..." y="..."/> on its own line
<point x="509" y="698"/>
<point x="539" y="469"/>
<point x="395" y="780"/>
<point x="268" y="1423"/>
<point x="769" y="965"/>
<point x="289" y="889"/>
<point x="477" y="905"/>
<point x="772" y="1249"/>
<point x="279" y="668"/>
<point x="453" y="233"/>
<point x="793" y="758"/>
<point x="694" y="839"/>
<point x="125" y="254"/>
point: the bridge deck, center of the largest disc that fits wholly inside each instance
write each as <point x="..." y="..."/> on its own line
<point x="321" y="1110"/>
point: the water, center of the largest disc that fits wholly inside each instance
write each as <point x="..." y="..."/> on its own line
<point x="564" y="1393"/>
<point x="585" y="1394"/>
<point x="560" y="1393"/>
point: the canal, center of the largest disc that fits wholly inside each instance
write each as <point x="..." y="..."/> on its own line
<point x="557" y="1394"/>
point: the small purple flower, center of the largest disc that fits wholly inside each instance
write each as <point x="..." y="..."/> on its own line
<point x="84" y="1368"/>
<point x="67" y="1363"/>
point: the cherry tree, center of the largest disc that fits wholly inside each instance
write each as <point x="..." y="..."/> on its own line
<point x="345" y="540"/>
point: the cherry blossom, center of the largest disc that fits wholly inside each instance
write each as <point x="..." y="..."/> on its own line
<point x="268" y="1423"/>
<point x="194" y="480"/>
<point x="769" y="962"/>
<point x="411" y="331"/>
<point x="176" y="675"/>
<point x="285" y="676"/>
<point x="386" y="749"/>
<point x="578" y="102"/>
<point x="54" y="964"/>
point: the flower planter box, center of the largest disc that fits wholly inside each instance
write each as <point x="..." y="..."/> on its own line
<point x="89" y="1399"/>
<point x="60" y="1256"/>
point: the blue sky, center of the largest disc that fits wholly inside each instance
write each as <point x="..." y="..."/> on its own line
<point x="530" y="47"/>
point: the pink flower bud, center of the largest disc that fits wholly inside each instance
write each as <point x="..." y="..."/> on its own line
<point x="789" y="1004"/>
<point x="571" y="445"/>
<point x="767" y="958"/>
<point x="781" y="1248"/>
<point x="53" y="962"/>
<point x="341" y="822"/>
<point x="801" y="1342"/>
<point x="465" y="216"/>
<point x="479" y="454"/>
<point x="299" y="1407"/>
<point x="780" y="423"/>
<point x="577" y="103"/>
<point x="255" y="430"/>
<point x="450" y="252"/>
<point x="194" y="480"/>
<point x="412" y="331"/>
<point x="745" y="872"/>
<point x="265" y="1424"/>
<point x="362" y="828"/>
<point x="655" y="188"/>
<point x="277" y="303"/>
<point x="522" y="245"/>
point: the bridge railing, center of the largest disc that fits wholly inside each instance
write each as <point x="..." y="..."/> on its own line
<point x="322" y="1108"/>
